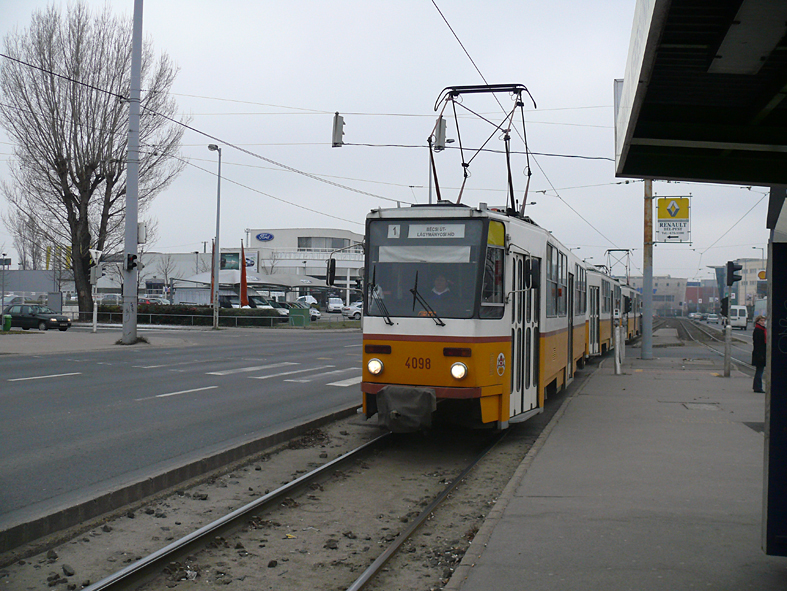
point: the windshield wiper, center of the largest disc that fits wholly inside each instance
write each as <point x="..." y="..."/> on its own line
<point x="417" y="297"/>
<point x="377" y="299"/>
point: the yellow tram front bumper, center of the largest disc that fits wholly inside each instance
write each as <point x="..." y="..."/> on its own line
<point x="427" y="362"/>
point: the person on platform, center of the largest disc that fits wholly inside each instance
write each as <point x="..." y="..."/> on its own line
<point x="758" y="352"/>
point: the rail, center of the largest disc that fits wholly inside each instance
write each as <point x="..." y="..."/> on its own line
<point x="136" y="573"/>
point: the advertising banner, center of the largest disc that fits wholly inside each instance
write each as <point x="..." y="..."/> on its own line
<point x="673" y="220"/>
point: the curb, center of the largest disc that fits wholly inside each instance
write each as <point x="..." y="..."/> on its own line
<point x="25" y="533"/>
<point x="481" y="539"/>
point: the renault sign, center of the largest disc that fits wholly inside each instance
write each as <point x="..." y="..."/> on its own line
<point x="674" y="223"/>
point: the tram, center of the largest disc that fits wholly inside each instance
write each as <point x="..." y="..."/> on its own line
<point x="475" y="314"/>
<point x="472" y="313"/>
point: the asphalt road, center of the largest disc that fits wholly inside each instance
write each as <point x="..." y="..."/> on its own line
<point x="78" y="424"/>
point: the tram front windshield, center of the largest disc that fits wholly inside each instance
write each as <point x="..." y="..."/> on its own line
<point x="438" y="259"/>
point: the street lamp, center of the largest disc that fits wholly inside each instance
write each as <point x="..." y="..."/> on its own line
<point x="2" y="301"/>
<point x="217" y="249"/>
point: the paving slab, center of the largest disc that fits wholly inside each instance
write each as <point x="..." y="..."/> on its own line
<point x="648" y="480"/>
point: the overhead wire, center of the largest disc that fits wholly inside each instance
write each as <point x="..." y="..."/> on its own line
<point x="526" y="150"/>
<point x="205" y="134"/>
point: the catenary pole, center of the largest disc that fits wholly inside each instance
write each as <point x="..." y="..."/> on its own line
<point x="132" y="184"/>
<point x="647" y="275"/>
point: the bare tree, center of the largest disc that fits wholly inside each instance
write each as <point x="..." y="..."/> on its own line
<point x="272" y="260"/>
<point x="166" y="267"/>
<point x="29" y="239"/>
<point x="63" y="86"/>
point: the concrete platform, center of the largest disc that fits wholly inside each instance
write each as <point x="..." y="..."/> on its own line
<point x="651" y="480"/>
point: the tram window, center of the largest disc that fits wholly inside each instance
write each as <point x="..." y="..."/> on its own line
<point x="552" y="278"/>
<point x="492" y="290"/>
<point x="519" y="285"/>
<point x="563" y="287"/>
<point x="580" y="299"/>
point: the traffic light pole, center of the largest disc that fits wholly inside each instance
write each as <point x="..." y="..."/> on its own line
<point x="727" y="349"/>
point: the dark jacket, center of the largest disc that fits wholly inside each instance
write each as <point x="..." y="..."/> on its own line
<point x="758" y="353"/>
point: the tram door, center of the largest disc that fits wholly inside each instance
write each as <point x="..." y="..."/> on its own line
<point x="570" y="296"/>
<point x="524" y="336"/>
<point x="593" y="306"/>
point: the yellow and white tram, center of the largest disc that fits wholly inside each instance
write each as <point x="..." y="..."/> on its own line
<point x="474" y="313"/>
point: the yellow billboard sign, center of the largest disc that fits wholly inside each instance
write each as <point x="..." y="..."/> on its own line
<point x="673" y="220"/>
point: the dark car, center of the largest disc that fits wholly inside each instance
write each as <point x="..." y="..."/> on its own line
<point x="32" y="316"/>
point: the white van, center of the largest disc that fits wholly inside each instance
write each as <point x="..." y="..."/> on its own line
<point x="738" y="317"/>
<point x="335" y="305"/>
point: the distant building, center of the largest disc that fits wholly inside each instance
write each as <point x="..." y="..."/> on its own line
<point x="300" y="251"/>
<point x="669" y="294"/>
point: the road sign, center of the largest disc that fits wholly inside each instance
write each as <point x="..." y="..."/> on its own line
<point x="673" y="220"/>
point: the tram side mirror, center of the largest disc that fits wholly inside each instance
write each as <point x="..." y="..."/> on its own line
<point x="534" y="274"/>
<point x="330" y="275"/>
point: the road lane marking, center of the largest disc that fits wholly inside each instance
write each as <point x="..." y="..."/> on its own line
<point x="176" y="393"/>
<point x="227" y="372"/>
<point x="319" y="375"/>
<point x="349" y="382"/>
<point x="289" y="373"/>
<point x="55" y="375"/>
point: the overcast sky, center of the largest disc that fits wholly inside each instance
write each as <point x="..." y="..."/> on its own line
<point x="268" y="76"/>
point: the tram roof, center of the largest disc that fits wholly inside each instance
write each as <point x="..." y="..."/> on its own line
<point x="703" y="93"/>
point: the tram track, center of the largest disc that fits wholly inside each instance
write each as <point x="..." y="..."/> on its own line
<point x="398" y="512"/>
<point x="712" y="340"/>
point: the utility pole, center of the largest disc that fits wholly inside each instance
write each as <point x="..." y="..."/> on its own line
<point x="647" y="275"/>
<point x="132" y="185"/>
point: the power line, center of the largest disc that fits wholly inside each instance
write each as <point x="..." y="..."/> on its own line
<point x="526" y="150"/>
<point x="224" y="178"/>
<point x="736" y="223"/>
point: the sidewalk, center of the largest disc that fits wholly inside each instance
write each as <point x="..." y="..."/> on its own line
<point x="651" y="480"/>
<point x="76" y="339"/>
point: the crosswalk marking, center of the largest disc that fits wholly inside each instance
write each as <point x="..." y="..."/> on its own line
<point x="349" y="382"/>
<point x="319" y="375"/>
<point x="288" y="373"/>
<point x="226" y="372"/>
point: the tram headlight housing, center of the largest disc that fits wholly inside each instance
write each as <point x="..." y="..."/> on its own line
<point x="375" y="366"/>
<point x="459" y="370"/>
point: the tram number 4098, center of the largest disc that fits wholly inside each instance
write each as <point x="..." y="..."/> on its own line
<point x="418" y="363"/>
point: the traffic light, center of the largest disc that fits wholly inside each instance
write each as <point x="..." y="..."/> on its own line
<point x="330" y="276"/>
<point x="725" y="306"/>
<point x="627" y="304"/>
<point x="338" y="131"/>
<point x="131" y="262"/>
<point x="439" y="135"/>
<point x="732" y="269"/>
<point x="97" y="273"/>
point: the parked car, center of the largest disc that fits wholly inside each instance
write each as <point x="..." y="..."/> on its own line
<point x="308" y="300"/>
<point x="354" y="310"/>
<point x="11" y="299"/>
<point x="111" y="299"/>
<point x="40" y="317"/>
<point x="314" y="313"/>
<point x="713" y="318"/>
<point x="334" y="305"/>
<point x="283" y="310"/>
<point x="153" y="300"/>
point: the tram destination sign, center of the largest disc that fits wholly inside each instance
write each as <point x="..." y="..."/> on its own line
<point x="673" y="220"/>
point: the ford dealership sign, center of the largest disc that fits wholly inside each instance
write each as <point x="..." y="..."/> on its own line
<point x="264" y="237"/>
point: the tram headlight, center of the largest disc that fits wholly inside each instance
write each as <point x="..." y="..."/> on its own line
<point x="375" y="366"/>
<point x="459" y="370"/>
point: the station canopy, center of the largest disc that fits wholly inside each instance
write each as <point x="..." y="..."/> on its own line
<point x="283" y="281"/>
<point x="703" y="93"/>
